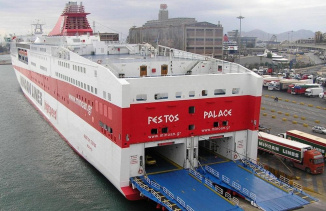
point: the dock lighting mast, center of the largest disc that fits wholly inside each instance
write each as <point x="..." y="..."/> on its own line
<point x="239" y="39"/>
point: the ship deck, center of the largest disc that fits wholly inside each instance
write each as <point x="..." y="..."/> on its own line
<point x="132" y="58"/>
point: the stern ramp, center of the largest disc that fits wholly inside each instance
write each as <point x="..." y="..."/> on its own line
<point x="183" y="190"/>
<point x="265" y="193"/>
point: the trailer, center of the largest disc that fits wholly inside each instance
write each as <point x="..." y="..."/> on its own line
<point x="267" y="80"/>
<point x="282" y="84"/>
<point x="316" y="142"/>
<point x="299" y="155"/>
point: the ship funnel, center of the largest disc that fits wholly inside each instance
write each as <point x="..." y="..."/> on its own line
<point x="72" y="21"/>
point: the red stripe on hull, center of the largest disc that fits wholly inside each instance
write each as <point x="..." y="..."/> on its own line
<point x="129" y="193"/>
<point x="147" y="122"/>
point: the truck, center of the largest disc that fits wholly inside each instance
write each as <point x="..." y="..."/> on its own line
<point x="297" y="154"/>
<point x="301" y="89"/>
<point x="316" y="142"/>
<point x="267" y="80"/>
<point x="313" y="92"/>
<point x="283" y="84"/>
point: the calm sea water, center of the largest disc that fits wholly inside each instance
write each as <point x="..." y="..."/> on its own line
<point x="38" y="170"/>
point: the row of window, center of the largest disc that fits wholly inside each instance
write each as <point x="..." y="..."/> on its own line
<point x="77" y="83"/>
<point x="79" y="68"/>
<point x="64" y="64"/>
<point x="74" y="67"/>
<point x="160" y="96"/>
<point x="155" y="131"/>
<point x="23" y="59"/>
<point x="105" y="127"/>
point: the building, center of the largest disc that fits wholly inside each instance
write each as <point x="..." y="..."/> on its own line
<point x="248" y="42"/>
<point x="304" y="41"/>
<point x="109" y="37"/>
<point x="180" y="33"/>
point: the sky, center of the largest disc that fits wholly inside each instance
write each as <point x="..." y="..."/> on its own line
<point x="118" y="16"/>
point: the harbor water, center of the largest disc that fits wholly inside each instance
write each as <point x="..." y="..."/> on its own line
<point x="39" y="171"/>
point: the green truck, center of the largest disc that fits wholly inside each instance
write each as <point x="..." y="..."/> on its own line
<point x="298" y="155"/>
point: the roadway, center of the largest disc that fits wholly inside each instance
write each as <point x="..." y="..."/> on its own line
<point x="295" y="112"/>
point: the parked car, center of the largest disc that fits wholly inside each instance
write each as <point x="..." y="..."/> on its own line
<point x="150" y="160"/>
<point x="319" y="129"/>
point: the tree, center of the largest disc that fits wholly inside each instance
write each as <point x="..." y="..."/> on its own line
<point x="269" y="55"/>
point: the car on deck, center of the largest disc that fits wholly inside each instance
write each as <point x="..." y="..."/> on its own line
<point x="149" y="160"/>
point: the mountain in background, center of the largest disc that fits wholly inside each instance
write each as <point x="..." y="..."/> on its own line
<point x="295" y="35"/>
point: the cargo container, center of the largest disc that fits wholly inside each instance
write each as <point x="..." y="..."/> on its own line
<point x="299" y="155"/>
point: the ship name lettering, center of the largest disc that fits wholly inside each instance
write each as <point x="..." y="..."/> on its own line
<point x="163" y="118"/>
<point x="90" y="141"/>
<point x="82" y="104"/>
<point x="214" y="114"/>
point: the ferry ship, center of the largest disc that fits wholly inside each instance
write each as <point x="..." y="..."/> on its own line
<point x="157" y="122"/>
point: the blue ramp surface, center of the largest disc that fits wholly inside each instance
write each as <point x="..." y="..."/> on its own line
<point x="267" y="196"/>
<point x="192" y="191"/>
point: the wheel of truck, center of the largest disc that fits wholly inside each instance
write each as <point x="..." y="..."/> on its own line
<point x="308" y="170"/>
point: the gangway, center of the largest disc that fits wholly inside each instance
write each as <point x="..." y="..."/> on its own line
<point x="183" y="190"/>
<point x="261" y="191"/>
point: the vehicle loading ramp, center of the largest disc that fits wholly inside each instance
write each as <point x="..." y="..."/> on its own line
<point x="261" y="192"/>
<point x="185" y="189"/>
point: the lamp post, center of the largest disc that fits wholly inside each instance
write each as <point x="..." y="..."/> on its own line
<point x="239" y="39"/>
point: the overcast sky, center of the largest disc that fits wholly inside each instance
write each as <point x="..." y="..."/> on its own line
<point x="119" y="15"/>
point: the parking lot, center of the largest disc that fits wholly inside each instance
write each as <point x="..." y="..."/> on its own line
<point x="294" y="112"/>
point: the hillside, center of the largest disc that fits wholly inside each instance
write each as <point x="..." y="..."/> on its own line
<point x="295" y="35"/>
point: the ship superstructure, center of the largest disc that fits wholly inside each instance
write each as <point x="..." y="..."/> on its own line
<point x="119" y="104"/>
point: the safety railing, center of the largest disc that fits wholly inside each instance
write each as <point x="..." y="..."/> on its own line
<point x="168" y="193"/>
<point x="233" y="184"/>
<point x="220" y="191"/>
<point x="281" y="182"/>
<point x="212" y="171"/>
